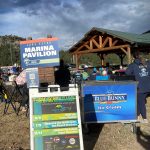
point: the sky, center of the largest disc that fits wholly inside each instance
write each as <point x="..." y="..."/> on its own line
<point x="69" y="20"/>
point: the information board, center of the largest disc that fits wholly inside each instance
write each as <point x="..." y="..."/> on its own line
<point x="55" y="122"/>
<point x="32" y="77"/>
<point x="39" y="53"/>
<point x="114" y="102"/>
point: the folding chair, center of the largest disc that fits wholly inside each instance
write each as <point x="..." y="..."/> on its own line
<point x="15" y="99"/>
<point x="18" y="95"/>
<point x="5" y="93"/>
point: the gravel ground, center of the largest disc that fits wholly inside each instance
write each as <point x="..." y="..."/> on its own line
<point x="14" y="134"/>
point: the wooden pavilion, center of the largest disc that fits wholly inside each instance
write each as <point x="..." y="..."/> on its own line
<point x="104" y="41"/>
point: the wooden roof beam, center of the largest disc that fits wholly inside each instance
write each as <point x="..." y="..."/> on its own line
<point x="100" y="41"/>
<point x="82" y="46"/>
<point x="102" y="49"/>
<point x="125" y="51"/>
<point x="85" y="43"/>
<point x="88" y="47"/>
<point x="110" y="41"/>
<point x="91" y="44"/>
<point x="96" y="44"/>
<point x="105" y="42"/>
<point x="114" y="42"/>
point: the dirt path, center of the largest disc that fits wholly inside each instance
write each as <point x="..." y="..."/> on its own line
<point x="14" y="134"/>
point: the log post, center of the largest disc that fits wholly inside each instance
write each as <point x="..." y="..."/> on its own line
<point x="129" y="55"/>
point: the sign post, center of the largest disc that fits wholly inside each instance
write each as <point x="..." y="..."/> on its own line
<point x="55" y="122"/>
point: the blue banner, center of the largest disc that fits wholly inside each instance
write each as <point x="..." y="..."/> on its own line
<point x="110" y="103"/>
<point x="39" y="53"/>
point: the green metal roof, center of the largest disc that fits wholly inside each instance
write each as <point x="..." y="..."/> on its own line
<point x="130" y="37"/>
<point x="138" y="39"/>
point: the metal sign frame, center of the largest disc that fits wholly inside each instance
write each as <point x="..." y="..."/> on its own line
<point x="73" y="91"/>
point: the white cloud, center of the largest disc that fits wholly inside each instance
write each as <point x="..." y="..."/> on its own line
<point x="70" y="20"/>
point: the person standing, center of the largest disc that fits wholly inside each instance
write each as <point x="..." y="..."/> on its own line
<point x="62" y="75"/>
<point x="22" y="85"/>
<point x="140" y="68"/>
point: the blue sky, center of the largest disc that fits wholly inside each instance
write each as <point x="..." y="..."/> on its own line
<point x="69" y="20"/>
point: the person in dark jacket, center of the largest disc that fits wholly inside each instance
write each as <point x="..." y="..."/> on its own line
<point x="62" y="75"/>
<point x="140" y="68"/>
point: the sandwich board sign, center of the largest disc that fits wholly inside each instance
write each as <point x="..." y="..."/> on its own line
<point x="39" y="53"/>
<point x="55" y="122"/>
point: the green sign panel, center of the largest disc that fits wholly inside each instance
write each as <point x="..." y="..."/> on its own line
<point x="55" y="123"/>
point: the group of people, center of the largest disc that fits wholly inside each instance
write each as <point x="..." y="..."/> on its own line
<point x="140" y="68"/>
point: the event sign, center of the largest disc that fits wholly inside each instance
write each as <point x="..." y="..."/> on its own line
<point x="110" y="102"/>
<point x="55" y="121"/>
<point x="39" y="53"/>
<point x="32" y="77"/>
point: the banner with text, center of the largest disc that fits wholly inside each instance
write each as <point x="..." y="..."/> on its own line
<point x="39" y="53"/>
<point x="110" y="103"/>
<point x="32" y="77"/>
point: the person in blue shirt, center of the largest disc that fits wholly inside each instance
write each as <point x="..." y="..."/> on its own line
<point x="94" y="70"/>
<point x="140" y="68"/>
